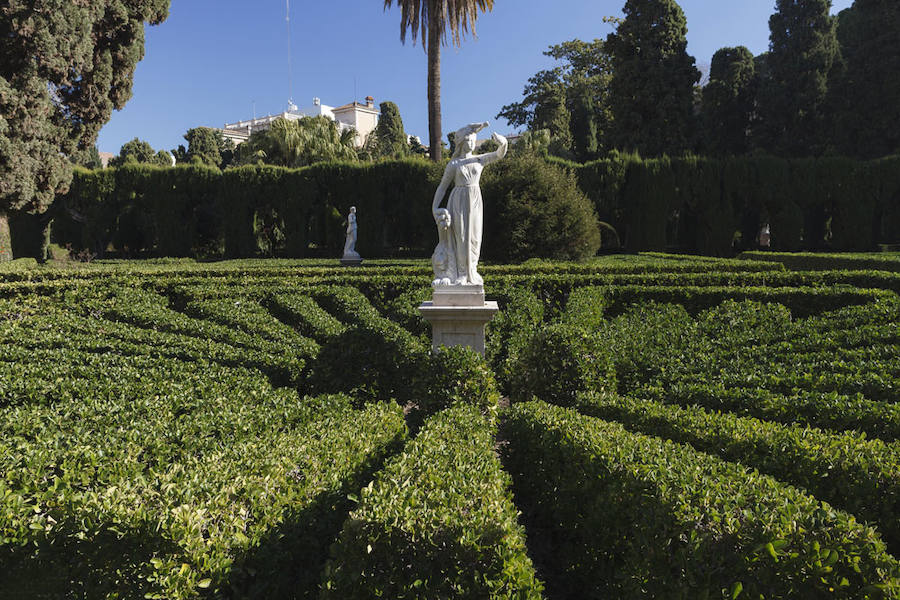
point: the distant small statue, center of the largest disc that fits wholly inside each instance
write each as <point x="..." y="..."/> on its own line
<point x="461" y="237"/>
<point x="765" y="236"/>
<point x="443" y="261"/>
<point x="350" y="253"/>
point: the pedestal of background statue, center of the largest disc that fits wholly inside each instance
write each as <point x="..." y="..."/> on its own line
<point x="458" y="315"/>
<point x="351" y="260"/>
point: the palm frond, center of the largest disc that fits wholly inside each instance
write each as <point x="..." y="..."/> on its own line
<point x="456" y="17"/>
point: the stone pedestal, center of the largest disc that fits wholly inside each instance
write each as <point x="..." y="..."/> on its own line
<point x="351" y="262"/>
<point x="458" y="315"/>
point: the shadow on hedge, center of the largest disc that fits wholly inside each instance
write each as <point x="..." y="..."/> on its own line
<point x="108" y="565"/>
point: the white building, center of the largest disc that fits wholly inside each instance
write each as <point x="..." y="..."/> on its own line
<point x="360" y="117"/>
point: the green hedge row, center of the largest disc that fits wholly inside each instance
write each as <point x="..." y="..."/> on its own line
<point x="142" y="323"/>
<point x="833" y="411"/>
<point x="630" y="516"/>
<point x="856" y="474"/>
<point x="249" y="317"/>
<point x="694" y="203"/>
<point x="437" y="522"/>
<point x="701" y="203"/>
<point x="248" y="211"/>
<point x="163" y="508"/>
<point x="306" y="316"/>
<point x="802" y="301"/>
<point x="748" y="358"/>
<point x="809" y="261"/>
<point x="167" y="268"/>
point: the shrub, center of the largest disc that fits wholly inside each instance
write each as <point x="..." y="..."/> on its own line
<point x="646" y="339"/>
<point x="631" y="515"/>
<point x="521" y="314"/>
<point x="306" y="316"/>
<point x="858" y="475"/>
<point x="535" y="210"/>
<point x="437" y="522"/>
<point x="586" y="307"/>
<point x="558" y="362"/>
<point x="373" y="362"/>
<point x="456" y="375"/>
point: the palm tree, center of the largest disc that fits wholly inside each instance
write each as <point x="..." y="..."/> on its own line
<point x="299" y="143"/>
<point x="435" y="18"/>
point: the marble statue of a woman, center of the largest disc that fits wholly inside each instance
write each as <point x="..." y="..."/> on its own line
<point x="350" y="252"/>
<point x="462" y="235"/>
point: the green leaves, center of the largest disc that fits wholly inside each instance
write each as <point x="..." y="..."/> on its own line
<point x="439" y="519"/>
<point x="617" y="501"/>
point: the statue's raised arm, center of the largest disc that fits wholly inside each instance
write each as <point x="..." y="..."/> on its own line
<point x="460" y="225"/>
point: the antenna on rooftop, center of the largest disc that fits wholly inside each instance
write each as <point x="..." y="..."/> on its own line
<point x="287" y="18"/>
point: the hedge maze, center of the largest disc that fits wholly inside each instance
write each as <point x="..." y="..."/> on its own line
<point x="642" y="427"/>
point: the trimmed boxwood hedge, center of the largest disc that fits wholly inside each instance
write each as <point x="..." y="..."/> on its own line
<point x="627" y="516"/>
<point x="693" y="203"/>
<point x="855" y="474"/>
<point x="445" y="507"/>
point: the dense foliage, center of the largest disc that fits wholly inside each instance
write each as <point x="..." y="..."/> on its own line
<point x="569" y="101"/>
<point x="389" y="138"/>
<point x="651" y="95"/>
<point x="729" y="102"/>
<point x="536" y="210"/>
<point x="710" y="206"/>
<point x="183" y="430"/>
<point x="793" y="95"/>
<point x="140" y="151"/>
<point x="63" y="68"/>
<point x="206" y="146"/>
<point x="824" y="87"/>
<point x="298" y="142"/>
<point x="865" y="94"/>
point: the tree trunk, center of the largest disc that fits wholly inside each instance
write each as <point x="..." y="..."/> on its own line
<point x="6" y="254"/>
<point x="434" y="85"/>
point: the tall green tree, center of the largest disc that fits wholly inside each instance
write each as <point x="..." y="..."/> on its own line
<point x="568" y="100"/>
<point x="729" y="101"/>
<point x="865" y="95"/>
<point x="298" y="143"/>
<point x="140" y="151"/>
<point x="207" y="146"/>
<point x="651" y="95"/>
<point x="435" y="19"/>
<point x="88" y="158"/>
<point x="390" y="136"/>
<point x="64" y="66"/>
<point x="792" y="99"/>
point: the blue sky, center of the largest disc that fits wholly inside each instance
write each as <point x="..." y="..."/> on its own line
<point x="218" y="61"/>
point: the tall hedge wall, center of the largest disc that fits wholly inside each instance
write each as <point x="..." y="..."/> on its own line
<point x="700" y="203"/>
<point x="711" y="206"/>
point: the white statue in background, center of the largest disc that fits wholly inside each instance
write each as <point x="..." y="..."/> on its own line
<point x="460" y="225"/>
<point x="350" y="252"/>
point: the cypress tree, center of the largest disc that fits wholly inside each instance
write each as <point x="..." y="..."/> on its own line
<point x="585" y="133"/>
<point x="392" y="140"/>
<point x="63" y="67"/>
<point x="554" y="116"/>
<point x="135" y="151"/>
<point x="207" y="146"/>
<point x="728" y="101"/>
<point x="866" y="95"/>
<point x="651" y="94"/>
<point x="802" y="51"/>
